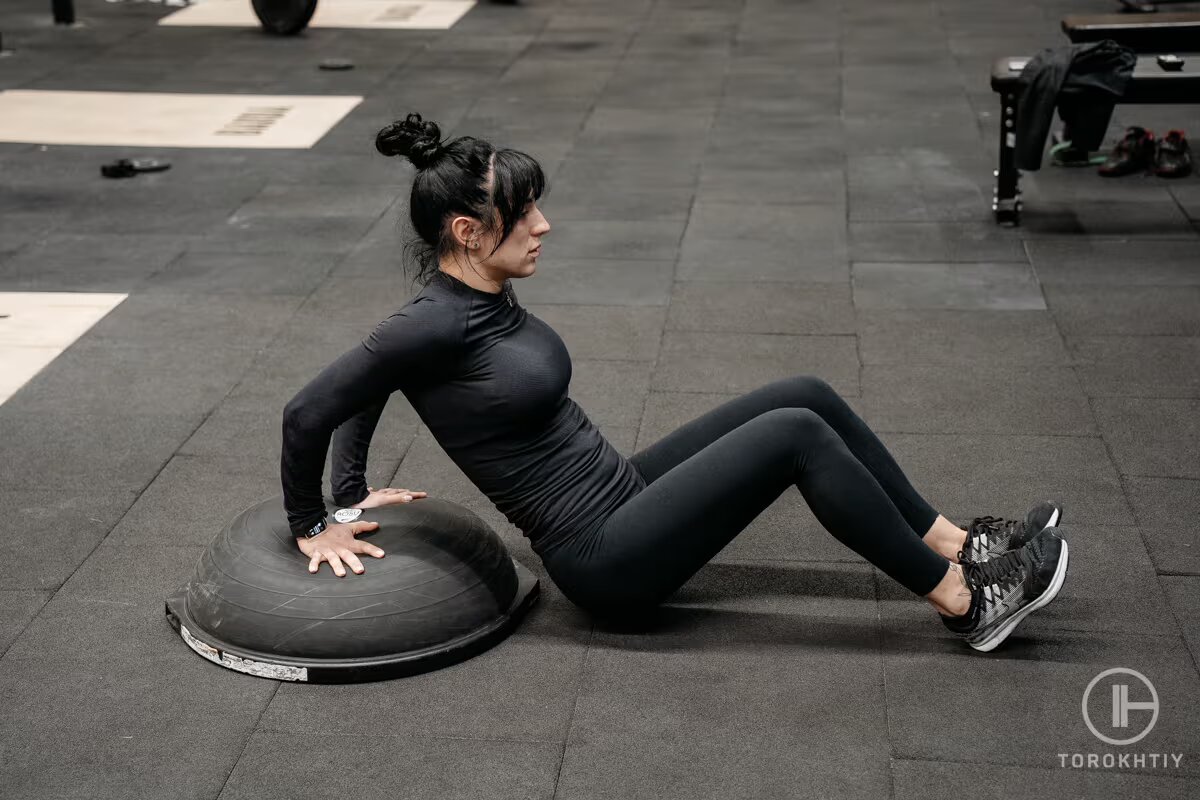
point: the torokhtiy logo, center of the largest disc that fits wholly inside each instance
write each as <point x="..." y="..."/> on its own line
<point x="1115" y="728"/>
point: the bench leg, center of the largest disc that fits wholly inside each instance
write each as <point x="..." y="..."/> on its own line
<point x="1006" y="197"/>
<point x="64" y="11"/>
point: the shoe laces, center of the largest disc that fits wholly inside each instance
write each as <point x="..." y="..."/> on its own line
<point x="986" y="531"/>
<point x="1001" y="571"/>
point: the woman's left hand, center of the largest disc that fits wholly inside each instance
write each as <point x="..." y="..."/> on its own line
<point x="388" y="497"/>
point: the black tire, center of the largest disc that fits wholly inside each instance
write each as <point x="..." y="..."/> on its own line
<point x="284" y="17"/>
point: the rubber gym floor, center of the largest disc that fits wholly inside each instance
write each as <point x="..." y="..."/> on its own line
<point x="741" y="190"/>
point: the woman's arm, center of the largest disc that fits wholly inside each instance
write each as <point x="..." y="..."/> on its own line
<point x="417" y="342"/>
<point x="351" y="443"/>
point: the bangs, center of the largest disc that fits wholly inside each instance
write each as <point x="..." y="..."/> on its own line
<point x="517" y="180"/>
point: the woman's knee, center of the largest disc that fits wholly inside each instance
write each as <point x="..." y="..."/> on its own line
<point x="812" y="392"/>
<point x="802" y="430"/>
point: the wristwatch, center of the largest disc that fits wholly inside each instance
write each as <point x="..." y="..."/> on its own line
<point x="316" y="529"/>
<point x="342" y="515"/>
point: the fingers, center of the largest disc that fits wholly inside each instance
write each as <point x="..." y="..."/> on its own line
<point x="351" y="560"/>
<point x="362" y="527"/>
<point x="368" y="548"/>
<point x="336" y="563"/>
<point x="314" y="563"/>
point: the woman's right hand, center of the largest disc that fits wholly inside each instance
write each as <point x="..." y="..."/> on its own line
<point x="336" y="544"/>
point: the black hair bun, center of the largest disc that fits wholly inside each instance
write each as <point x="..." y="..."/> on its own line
<point x="417" y="140"/>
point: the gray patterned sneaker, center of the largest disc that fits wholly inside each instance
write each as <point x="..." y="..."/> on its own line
<point x="988" y="537"/>
<point x="1006" y="589"/>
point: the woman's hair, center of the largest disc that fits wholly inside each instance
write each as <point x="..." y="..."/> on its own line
<point x="452" y="180"/>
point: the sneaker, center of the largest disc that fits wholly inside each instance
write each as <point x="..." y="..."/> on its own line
<point x="1173" y="158"/>
<point x="1134" y="153"/>
<point x="988" y="537"/>
<point x="1007" y="589"/>
<point x="1065" y="154"/>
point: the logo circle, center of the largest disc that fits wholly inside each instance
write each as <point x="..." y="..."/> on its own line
<point x="347" y="514"/>
<point x="1120" y="671"/>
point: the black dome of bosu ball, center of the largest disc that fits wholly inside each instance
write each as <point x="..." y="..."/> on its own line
<point x="446" y="590"/>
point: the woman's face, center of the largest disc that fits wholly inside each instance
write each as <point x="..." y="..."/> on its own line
<point x="517" y="256"/>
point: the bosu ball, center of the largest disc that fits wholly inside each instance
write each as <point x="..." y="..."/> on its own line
<point x="446" y="590"/>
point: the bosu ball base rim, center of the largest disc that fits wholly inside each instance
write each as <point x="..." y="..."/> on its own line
<point x="353" y="670"/>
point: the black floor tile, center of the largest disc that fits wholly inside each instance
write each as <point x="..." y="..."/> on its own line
<point x="734" y="362"/>
<point x="19" y="607"/>
<point x="450" y="768"/>
<point x="935" y="780"/>
<point x="983" y="287"/>
<point x="931" y="336"/>
<point x="932" y="242"/>
<point x="1152" y="438"/>
<point x="1136" y="366"/>
<point x="1166" y="508"/>
<point x="1125" y="310"/>
<point x="992" y="400"/>
<point x="1033" y="687"/>
<point x="761" y="307"/>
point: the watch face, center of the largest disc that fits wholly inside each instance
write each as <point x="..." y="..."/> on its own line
<point x="347" y="514"/>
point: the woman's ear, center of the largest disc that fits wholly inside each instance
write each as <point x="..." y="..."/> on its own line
<point x="466" y="232"/>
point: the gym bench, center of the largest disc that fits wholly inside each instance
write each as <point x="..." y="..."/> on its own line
<point x="1150" y="85"/>
<point x="1160" y="33"/>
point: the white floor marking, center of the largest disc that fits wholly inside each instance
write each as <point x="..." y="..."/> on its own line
<point x="35" y="327"/>
<point x="148" y="119"/>
<point x="423" y="15"/>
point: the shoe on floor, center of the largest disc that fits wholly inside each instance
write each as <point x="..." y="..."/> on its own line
<point x="1134" y="153"/>
<point x="988" y="537"/>
<point x="1065" y="154"/>
<point x="1007" y="589"/>
<point x="1173" y="157"/>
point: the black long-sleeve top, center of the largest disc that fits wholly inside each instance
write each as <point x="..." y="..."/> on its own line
<point x="490" y="382"/>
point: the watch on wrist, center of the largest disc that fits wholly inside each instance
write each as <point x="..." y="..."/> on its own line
<point x="316" y="529"/>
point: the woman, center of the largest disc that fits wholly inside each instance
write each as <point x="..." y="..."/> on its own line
<point x="616" y="535"/>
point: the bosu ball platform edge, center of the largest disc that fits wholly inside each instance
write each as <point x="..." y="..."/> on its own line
<point x="446" y="590"/>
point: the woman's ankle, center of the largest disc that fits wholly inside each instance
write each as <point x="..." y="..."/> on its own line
<point x="951" y="597"/>
<point x="946" y="539"/>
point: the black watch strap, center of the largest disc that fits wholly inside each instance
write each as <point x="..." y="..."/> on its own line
<point x="316" y="529"/>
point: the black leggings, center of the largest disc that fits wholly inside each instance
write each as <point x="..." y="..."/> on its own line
<point x="710" y="478"/>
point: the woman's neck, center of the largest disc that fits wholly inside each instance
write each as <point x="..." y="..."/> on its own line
<point x="472" y="278"/>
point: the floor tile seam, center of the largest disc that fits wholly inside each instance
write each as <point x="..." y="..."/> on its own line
<point x="880" y="654"/>
<point x="1193" y="652"/>
<point x="416" y="735"/>
<point x="990" y="434"/>
<point x="896" y="627"/>
<point x="595" y="101"/>
<point x="104" y="538"/>
<point x="965" y="763"/>
<point x="861" y="366"/>
<point x="839" y="334"/>
<point x="695" y="182"/>
<point x="579" y="684"/>
<point x="1136" y="335"/>
<point x="404" y="455"/>
<point x="933" y="262"/>
<point x="246" y="743"/>
<point x="1125" y="491"/>
<point x="1178" y="398"/>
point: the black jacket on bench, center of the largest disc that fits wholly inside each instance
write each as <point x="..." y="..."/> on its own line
<point x="1084" y="81"/>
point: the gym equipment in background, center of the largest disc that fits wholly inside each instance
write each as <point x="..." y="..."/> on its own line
<point x="284" y="17"/>
<point x="446" y="590"/>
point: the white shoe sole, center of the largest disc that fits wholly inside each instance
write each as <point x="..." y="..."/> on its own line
<point x="1053" y="521"/>
<point x="1060" y="576"/>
